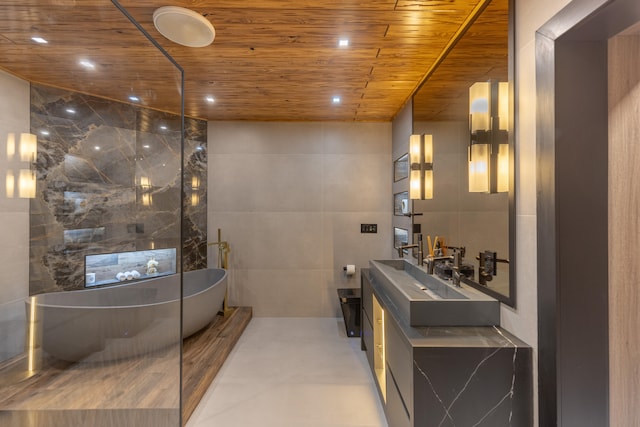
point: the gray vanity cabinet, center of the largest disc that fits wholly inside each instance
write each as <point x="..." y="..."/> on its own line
<point x="444" y="376"/>
<point x="399" y="377"/>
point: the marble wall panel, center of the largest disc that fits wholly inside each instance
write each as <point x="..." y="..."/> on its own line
<point x="109" y="180"/>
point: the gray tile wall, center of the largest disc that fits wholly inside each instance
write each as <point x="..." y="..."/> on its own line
<point x="290" y="198"/>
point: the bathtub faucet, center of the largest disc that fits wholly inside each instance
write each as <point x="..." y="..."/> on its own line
<point x="223" y="251"/>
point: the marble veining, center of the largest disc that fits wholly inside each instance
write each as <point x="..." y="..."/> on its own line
<point x="110" y="179"/>
<point x="491" y="408"/>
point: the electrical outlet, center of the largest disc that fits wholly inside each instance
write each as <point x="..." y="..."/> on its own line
<point x="368" y="228"/>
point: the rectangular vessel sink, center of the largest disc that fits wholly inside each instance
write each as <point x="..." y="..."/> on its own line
<point x="429" y="301"/>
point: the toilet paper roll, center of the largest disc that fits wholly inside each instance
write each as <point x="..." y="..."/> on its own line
<point x="350" y="269"/>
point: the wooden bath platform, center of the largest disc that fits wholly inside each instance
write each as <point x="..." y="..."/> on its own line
<point x="136" y="392"/>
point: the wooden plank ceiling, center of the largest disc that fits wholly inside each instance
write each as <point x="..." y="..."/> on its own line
<point x="273" y="60"/>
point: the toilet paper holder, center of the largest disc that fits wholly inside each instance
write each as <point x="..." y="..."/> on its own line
<point x="349" y="269"/>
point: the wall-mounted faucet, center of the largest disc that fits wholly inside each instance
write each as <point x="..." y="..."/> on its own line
<point x="488" y="266"/>
<point x="418" y="245"/>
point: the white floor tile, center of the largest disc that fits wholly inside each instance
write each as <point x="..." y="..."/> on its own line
<point x="298" y="372"/>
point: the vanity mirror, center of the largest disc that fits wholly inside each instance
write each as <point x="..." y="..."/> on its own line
<point x="473" y="149"/>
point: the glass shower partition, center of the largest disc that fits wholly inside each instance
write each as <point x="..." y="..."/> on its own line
<point x="91" y="218"/>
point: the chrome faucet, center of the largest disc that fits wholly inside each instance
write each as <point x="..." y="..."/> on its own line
<point x="456" y="259"/>
<point x="431" y="261"/>
<point x="418" y="245"/>
<point x="457" y="264"/>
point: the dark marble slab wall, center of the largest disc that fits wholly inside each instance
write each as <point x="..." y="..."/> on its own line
<point x="108" y="180"/>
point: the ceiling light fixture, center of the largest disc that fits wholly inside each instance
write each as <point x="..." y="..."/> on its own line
<point x="87" y="64"/>
<point x="39" y="40"/>
<point x="134" y="98"/>
<point x="184" y="26"/>
<point x="210" y="99"/>
<point x="336" y="100"/>
<point x="343" y="42"/>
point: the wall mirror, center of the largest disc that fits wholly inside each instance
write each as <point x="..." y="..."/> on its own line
<point x="460" y="213"/>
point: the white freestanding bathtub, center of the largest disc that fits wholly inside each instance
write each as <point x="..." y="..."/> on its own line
<point x="116" y="322"/>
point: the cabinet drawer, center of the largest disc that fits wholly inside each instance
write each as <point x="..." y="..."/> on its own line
<point x="400" y="360"/>
<point x="366" y="293"/>
<point x="367" y="338"/>
<point x="396" y="412"/>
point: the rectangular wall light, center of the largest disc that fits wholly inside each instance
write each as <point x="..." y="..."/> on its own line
<point x="421" y="167"/>
<point x="489" y="137"/>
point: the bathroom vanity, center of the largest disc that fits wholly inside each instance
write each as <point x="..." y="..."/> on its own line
<point x="438" y="355"/>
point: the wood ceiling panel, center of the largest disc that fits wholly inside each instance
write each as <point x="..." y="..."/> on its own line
<point x="481" y="55"/>
<point x="271" y="59"/>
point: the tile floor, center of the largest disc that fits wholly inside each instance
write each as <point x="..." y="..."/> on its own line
<point x="292" y="372"/>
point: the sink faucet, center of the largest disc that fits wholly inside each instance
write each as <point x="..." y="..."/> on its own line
<point x="418" y="245"/>
<point x="456" y="258"/>
<point x="457" y="264"/>
<point x="431" y="261"/>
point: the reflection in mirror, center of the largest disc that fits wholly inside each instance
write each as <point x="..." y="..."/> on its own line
<point x="401" y="203"/>
<point x="472" y="205"/>
<point x="400" y="238"/>
<point x="401" y="168"/>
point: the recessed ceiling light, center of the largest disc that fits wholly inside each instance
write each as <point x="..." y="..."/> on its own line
<point x="163" y="127"/>
<point x="70" y="111"/>
<point x="97" y="148"/>
<point x="134" y="98"/>
<point x="343" y="42"/>
<point x="146" y="146"/>
<point x="39" y="40"/>
<point x="184" y="26"/>
<point x="44" y="132"/>
<point x="210" y="99"/>
<point x="336" y="100"/>
<point x="87" y="64"/>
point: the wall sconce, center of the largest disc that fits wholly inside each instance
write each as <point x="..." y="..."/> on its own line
<point x="20" y="181"/>
<point x="195" y="187"/>
<point x="146" y="196"/>
<point x="421" y="167"/>
<point x="489" y="137"/>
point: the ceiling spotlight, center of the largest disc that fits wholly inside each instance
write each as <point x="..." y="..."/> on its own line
<point x="87" y="64"/>
<point x="134" y="98"/>
<point x="343" y="42"/>
<point x="184" y="26"/>
<point x="70" y="110"/>
<point x="39" y="40"/>
<point x="210" y="99"/>
<point x="336" y="100"/>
